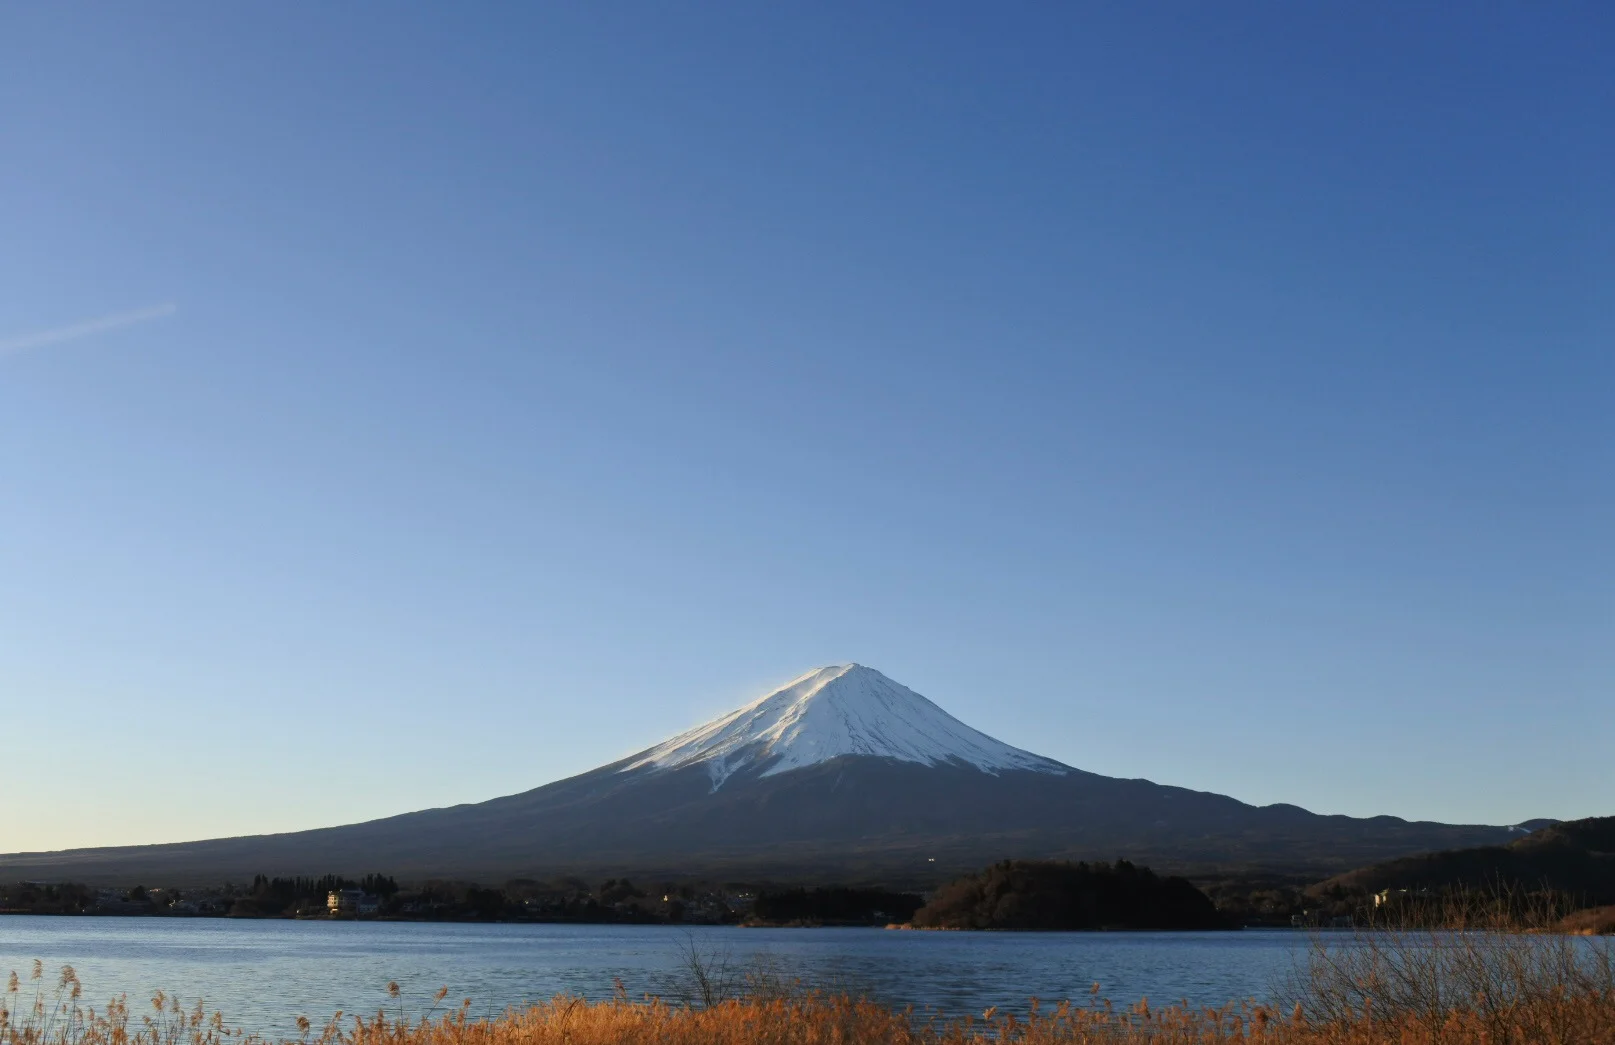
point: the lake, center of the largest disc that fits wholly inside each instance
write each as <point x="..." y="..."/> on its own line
<point x="263" y="974"/>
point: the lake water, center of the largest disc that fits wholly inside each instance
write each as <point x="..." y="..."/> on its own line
<point x="263" y="974"/>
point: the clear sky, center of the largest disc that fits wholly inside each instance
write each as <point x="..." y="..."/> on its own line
<point x="403" y="405"/>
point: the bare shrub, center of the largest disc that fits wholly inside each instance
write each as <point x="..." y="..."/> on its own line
<point x="1460" y="963"/>
<point x="708" y="976"/>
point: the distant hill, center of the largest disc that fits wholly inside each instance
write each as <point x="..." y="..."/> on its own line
<point x="842" y="775"/>
<point x="1576" y="858"/>
<point x="1038" y="894"/>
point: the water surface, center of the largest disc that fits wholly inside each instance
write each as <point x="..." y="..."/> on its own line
<point x="263" y="974"/>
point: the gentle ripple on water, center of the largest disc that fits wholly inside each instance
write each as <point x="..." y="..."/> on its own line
<point x="263" y="974"/>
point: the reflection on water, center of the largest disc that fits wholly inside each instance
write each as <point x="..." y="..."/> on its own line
<point x="263" y="974"/>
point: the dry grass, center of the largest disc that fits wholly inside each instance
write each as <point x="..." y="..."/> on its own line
<point x="1594" y="921"/>
<point x="1412" y="989"/>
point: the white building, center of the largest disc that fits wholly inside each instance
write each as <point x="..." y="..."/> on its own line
<point x="351" y="901"/>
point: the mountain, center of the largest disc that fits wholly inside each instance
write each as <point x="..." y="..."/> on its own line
<point x="1576" y="858"/>
<point x="842" y="711"/>
<point x="842" y="773"/>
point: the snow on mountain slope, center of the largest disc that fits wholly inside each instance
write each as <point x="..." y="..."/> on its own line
<point x="845" y="709"/>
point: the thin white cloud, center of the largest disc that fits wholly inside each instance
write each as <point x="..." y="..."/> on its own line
<point x="74" y="331"/>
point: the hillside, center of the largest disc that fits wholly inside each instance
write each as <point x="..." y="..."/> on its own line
<point x="1022" y="894"/>
<point x="1576" y="858"/>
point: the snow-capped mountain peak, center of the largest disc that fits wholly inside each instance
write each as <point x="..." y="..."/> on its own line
<point x="844" y="709"/>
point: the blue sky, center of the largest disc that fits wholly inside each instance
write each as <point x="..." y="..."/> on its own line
<point x="1220" y="397"/>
